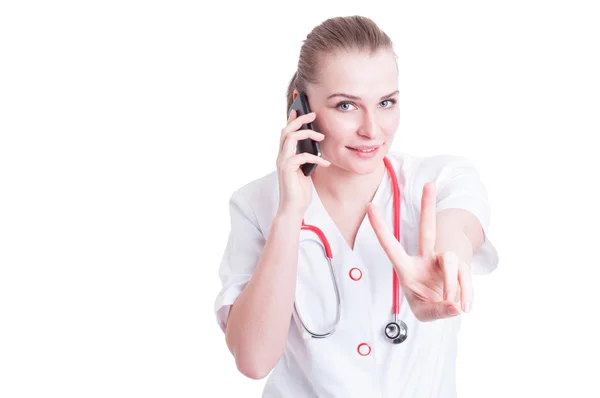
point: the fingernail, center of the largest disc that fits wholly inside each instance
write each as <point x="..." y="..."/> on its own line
<point x="451" y="310"/>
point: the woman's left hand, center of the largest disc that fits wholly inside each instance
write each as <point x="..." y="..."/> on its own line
<point x="432" y="283"/>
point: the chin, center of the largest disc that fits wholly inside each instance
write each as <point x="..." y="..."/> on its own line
<point x="364" y="170"/>
<point x="364" y="166"/>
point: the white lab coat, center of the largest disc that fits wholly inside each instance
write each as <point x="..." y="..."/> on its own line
<point x="421" y="366"/>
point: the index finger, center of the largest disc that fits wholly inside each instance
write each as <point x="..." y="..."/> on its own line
<point x="291" y="116"/>
<point x="427" y="223"/>
<point x="399" y="258"/>
<point x="294" y="124"/>
<point x="298" y="121"/>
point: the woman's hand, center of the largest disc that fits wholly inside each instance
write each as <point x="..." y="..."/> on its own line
<point x="433" y="283"/>
<point x="294" y="187"/>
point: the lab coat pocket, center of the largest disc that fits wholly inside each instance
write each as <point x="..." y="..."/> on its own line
<point x="316" y="306"/>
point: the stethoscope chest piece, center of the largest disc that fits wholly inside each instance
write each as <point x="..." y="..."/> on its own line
<point x="396" y="332"/>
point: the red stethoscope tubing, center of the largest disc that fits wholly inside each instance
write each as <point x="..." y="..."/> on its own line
<point x="396" y="193"/>
<point x="396" y="204"/>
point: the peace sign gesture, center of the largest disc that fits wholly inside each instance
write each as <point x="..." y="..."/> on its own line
<point x="432" y="282"/>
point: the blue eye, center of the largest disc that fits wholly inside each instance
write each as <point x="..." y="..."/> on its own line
<point x="344" y="103"/>
<point x="393" y="101"/>
<point x="344" y="106"/>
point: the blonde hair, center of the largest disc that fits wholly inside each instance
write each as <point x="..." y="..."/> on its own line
<point x="332" y="36"/>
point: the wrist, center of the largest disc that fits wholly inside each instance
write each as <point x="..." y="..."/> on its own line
<point x="288" y="217"/>
<point x="454" y="241"/>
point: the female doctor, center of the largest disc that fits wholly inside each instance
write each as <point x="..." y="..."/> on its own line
<point x="351" y="281"/>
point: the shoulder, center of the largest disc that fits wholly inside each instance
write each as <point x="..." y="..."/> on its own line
<point x="258" y="198"/>
<point x="256" y="189"/>
<point x="447" y="171"/>
<point x="429" y="166"/>
<point x="415" y="168"/>
<point x="438" y="168"/>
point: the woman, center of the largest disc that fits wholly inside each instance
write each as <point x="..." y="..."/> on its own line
<point x="278" y="293"/>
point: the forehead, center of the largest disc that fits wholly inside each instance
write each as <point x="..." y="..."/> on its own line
<point x="358" y="73"/>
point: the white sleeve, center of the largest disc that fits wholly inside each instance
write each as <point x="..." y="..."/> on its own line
<point x="244" y="247"/>
<point x="459" y="186"/>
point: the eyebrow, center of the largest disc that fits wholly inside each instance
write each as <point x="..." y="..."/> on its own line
<point x="354" y="97"/>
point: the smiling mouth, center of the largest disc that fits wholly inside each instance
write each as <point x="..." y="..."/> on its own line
<point x="365" y="149"/>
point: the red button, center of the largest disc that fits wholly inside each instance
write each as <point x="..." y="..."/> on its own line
<point x="364" y="349"/>
<point x="355" y="274"/>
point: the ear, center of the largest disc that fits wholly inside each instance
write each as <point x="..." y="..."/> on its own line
<point x="294" y="95"/>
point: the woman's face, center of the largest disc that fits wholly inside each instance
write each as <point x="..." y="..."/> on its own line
<point x="356" y="106"/>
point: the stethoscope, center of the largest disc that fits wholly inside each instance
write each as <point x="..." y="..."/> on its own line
<point x="396" y="331"/>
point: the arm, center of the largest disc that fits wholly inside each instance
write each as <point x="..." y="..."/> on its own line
<point x="259" y="321"/>
<point x="459" y="231"/>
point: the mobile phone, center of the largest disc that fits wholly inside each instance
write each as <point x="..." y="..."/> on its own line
<point x="306" y="145"/>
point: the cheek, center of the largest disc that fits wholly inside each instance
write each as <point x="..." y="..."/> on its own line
<point x="338" y="128"/>
<point x="390" y="124"/>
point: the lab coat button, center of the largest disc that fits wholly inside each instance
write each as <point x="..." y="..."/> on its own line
<point x="364" y="349"/>
<point x="355" y="274"/>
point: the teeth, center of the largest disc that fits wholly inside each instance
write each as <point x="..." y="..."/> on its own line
<point x="365" y="150"/>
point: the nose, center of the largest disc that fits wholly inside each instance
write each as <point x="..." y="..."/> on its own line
<point x="369" y="127"/>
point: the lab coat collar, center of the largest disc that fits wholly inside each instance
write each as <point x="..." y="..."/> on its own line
<point x="317" y="215"/>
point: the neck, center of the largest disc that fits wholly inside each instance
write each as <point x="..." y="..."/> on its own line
<point x="345" y="187"/>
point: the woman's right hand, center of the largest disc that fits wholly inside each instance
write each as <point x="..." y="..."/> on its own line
<point x="294" y="187"/>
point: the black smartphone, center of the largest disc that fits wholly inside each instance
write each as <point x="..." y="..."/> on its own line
<point x="306" y="145"/>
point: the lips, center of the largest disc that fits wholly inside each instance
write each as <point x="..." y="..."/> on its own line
<point x="364" y="148"/>
<point x="365" y="152"/>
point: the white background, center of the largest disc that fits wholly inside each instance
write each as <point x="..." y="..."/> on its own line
<point x="125" y="126"/>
